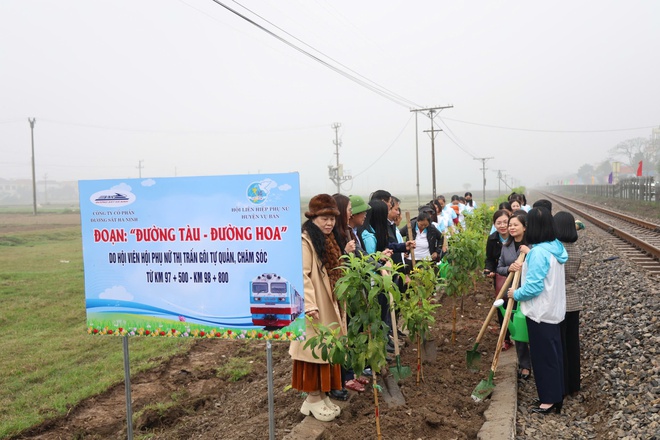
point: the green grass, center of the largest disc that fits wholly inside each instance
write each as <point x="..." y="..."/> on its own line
<point x="49" y="363"/>
<point x="235" y="369"/>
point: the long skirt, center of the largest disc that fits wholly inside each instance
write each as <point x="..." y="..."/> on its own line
<point x="570" y="338"/>
<point x="310" y="377"/>
<point x="547" y="360"/>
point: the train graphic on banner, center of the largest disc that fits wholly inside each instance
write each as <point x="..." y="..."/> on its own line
<point x="274" y="301"/>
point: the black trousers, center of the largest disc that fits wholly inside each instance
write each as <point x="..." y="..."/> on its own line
<point x="570" y="339"/>
<point x="547" y="360"/>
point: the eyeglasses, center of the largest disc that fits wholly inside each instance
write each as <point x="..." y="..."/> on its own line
<point x="502" y="224"/>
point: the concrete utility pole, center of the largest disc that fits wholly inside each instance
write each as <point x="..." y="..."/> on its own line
<point x="483" y="172"/>
<point x="431" y="114"/>
<point x="417" y="158"/>
<point x="499" y="181"/>
<point x="433" y="131"/>
<point x="139" y="167"/>
<point x="46" y="189"/>
<point x="336" y="174"/>
<point x="504" y="179"/>
<point x="32" y="121"/>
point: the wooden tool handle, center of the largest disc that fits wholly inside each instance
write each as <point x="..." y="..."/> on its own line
<point x="395" y="331"/>
<point x="501" y="293"/>
<point x="410" y="238"/>
<point x="505" y="322"/>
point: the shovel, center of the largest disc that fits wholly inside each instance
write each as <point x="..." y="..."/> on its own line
<point x="400" y="372"/>
<point x="473" y="357"/>
<point x="486" y="387"/>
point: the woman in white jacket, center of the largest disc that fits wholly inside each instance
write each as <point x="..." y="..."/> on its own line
<point x="542" y="297"/>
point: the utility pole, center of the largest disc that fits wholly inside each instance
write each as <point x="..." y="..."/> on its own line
<point x="433" y="131"/>
<point x="417" y="158"/>
<point x="139" y="167"/>
<point x="336" y="173"/>
<point x="504" y="179"/>
<point x="483" y="173"/>
<point x="499" y="181"/>
<point x="46" y="189"/>
<point x="431" y="114"/>
<point x="32" y="121"/>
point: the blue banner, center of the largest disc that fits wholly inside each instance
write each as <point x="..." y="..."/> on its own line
<point x="211" y="257"/>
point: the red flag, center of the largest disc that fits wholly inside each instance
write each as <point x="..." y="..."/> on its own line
<point x="639" y="169"/>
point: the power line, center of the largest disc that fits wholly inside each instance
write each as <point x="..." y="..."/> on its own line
<point x="551" y="131"/>
<point x="456" y="142"/>
<point x="386" y="150"/>
<point x="325" y="55"/>
<point x="374" y="87"/>
<point x="148" y="130"/>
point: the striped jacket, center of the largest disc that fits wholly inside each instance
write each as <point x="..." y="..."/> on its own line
<point x="571" y="268"/>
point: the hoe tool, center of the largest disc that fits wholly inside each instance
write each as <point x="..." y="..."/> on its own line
<point x="485" y="387"/>
<point x="473" y="357"/>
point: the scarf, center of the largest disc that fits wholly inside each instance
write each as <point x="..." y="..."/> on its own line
<point x="331" y="261"/>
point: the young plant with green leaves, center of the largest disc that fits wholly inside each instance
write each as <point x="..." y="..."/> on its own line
<point x="363" y="280"/>
<point x="416" y="311"/>
<point x="480" y="219"/>
<point x="466" y="256"/>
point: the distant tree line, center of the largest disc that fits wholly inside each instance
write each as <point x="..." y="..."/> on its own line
<point x="628" y="152"/>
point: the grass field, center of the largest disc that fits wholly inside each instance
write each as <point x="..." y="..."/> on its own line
<point x="49" y="363"/>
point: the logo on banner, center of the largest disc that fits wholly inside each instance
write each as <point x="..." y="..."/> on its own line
<point x="113" y="197"/>
<point x="257" y="192"/>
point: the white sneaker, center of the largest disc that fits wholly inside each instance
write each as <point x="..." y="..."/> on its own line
<point x="335" y="408"/>
<point x="318" y="410"/>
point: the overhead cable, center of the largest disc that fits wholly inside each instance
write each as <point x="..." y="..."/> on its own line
<point x="366" y="83"/>
<point x="387" y="149"/>
<point x="552" y="131"/>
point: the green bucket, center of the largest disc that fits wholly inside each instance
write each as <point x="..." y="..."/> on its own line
<point x="518" y="324"/>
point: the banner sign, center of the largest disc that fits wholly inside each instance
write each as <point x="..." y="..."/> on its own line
<point x="203" y="257"/>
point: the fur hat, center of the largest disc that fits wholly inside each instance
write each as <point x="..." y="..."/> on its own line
<point x="322" y="204"/>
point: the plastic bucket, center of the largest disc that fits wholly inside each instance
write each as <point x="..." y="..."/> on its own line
<point x="517" y="325"/>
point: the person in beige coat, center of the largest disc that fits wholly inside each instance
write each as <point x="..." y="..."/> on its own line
<point x="321" y="260"/>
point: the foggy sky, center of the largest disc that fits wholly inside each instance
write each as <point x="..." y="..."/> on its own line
<point x="189" y="88"/>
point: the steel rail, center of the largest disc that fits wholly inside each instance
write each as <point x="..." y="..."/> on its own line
<point x="651" y="250"/>
<point x="639" y="222"/>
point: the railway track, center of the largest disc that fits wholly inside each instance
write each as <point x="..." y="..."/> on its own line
<point x="638" y="239"/>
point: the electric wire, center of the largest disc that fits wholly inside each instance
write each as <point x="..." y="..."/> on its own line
<point x="551" y="131"/>
<point x="457" y="141"/>
<point x="374" y="87"/>
<point x="330" y="58"/>
<point x="387" y="149"/>
<point x="147" y="130"/>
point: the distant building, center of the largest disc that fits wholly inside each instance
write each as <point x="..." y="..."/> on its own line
<point x="19" y="192"/>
